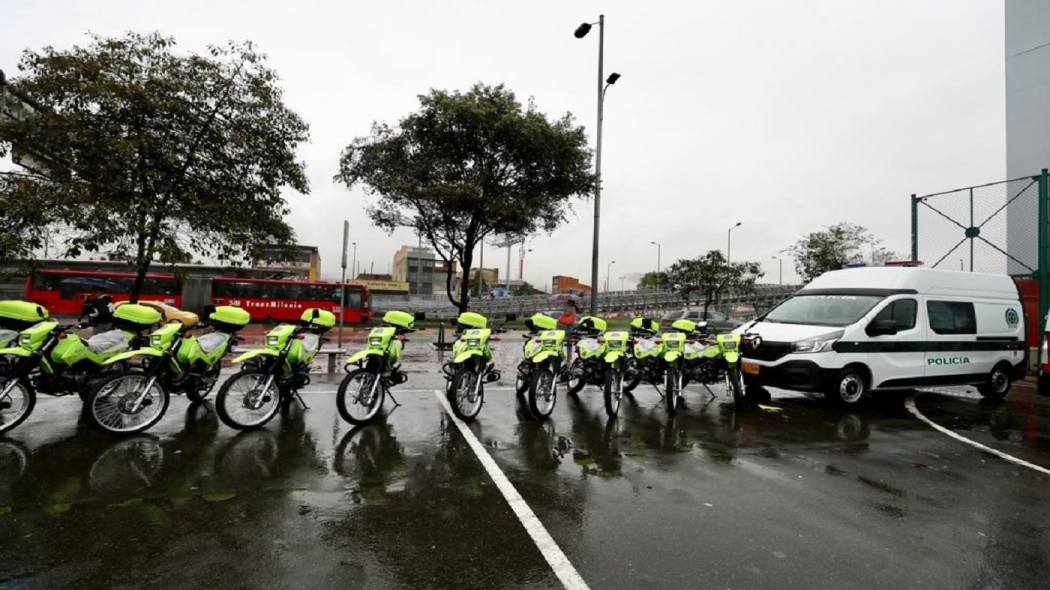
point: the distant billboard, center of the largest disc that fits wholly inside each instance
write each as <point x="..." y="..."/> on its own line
<point x="382" y="285"/>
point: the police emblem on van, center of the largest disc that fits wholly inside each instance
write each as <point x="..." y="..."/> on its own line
<point x="952" y="360"/>
<point x="1011" y="317"/>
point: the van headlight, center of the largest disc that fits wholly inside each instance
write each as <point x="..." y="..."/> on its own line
<point x="817" y="343"/>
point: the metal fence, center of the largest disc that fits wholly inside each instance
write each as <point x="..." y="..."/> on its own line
<point x="1002" y="227"/>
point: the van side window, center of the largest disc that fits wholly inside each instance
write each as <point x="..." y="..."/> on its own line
<point x="902" y="311"/>
<point x="952" y="317"/>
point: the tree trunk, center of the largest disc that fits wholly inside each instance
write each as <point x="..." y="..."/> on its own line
<point x="464" y="289"/>
<point x="144" y="259"/>
<point x="140" y="279"/>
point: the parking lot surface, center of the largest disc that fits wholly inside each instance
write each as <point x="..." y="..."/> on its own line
<point x="791" y="494"/>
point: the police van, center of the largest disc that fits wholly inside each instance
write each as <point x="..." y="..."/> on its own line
<point x="855" y="330"/>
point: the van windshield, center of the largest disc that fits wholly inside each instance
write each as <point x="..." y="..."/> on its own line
<point x="823" y="310"/>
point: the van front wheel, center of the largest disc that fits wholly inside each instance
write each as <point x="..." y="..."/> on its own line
<point x="998" y="384"/>
<point x="848" y="388"/>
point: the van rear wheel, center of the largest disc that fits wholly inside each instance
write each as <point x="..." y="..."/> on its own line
<point x="998" y="384"/>
<point x="848" y="388"/>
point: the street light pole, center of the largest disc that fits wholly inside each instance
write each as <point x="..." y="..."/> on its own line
<point x="603" y="85"/>
<point x="353" y="265"/>
<point x="781" y="261"/>
<point x="608" y="271"/>
<point x="729" y="241"/>
<point x="657" y="244"/>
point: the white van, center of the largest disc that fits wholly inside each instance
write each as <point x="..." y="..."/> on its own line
<point x="891" y="327"/>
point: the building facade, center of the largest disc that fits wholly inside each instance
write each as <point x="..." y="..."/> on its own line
<point x="303" y="265"/>
<point x="560" y="284"/>
<point x="415" y="266"/>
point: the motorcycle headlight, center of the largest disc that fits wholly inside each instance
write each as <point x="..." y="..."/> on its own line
<point x="729" y="345"/>
<point x="817" y="343"/>
<point x="474" y="342"/>
<point x="155" y="340"/>
<point x="375" y="342"/>
<point x="25" y="338"/>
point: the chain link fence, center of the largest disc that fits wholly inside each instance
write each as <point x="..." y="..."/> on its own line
<point x="1002" y="228"/>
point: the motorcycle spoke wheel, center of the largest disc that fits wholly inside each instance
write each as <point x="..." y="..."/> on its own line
<point x="112" y="407"/>
<point x="542" y="394"/>
<point x="16" y="404"/>
<point x="466" y="396"/>
<point x="356" y="400"/>
<point x="249" y="399"/>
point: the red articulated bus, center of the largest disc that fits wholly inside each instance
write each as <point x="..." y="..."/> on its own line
<point x="285" y="301"/>
<point x="64" y="291"/>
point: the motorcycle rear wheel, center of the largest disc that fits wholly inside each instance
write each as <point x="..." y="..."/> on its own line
<point x="17" y="404"/>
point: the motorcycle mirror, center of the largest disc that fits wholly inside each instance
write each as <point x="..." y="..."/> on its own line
<point x="420" y="316"/>
<point x="209" y="309"/>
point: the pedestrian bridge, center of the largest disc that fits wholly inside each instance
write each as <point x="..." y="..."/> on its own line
<point x="636" y="303"/>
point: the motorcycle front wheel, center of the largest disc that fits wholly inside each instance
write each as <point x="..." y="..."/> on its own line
<point x="734" y="385"/>
<point x="521" y="383"/>
<point x="126" y="404"/>
<point x="543" y="393"/>
<point x="671" y="390"/>
<point x="17" y="400"/>
<point x="357" y="400"/>
<point x="632" y="376"/>
<point x="613" y="391"/>
<point x="466" y="395"/>
<point x="576" y="376"/>
<point x="248" y="400"/>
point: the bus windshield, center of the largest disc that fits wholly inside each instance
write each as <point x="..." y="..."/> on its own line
<point x="823" y="310"/>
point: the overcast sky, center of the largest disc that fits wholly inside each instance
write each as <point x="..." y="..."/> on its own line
<point x="786" y="116"/>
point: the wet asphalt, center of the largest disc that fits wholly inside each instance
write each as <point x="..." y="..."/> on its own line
<point x="795" y="494"/>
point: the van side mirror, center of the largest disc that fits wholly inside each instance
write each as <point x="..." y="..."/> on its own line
<point x="882" y="328"/>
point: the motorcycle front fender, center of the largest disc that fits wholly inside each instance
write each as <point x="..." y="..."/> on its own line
<point x="363" y="354"/>
<point x="732" y="357"/>
<point x="671" y="356"/>
<point x="612" y="357"/>
<point x="466" y="355"/>
<point x="545" y="356"/>
<point x="14" y="352"/>
<point x="255" y="353"/>
<point x="132" y="354"/>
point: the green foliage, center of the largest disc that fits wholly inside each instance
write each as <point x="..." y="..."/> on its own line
<point x="467" y="165"/>
<point x="653" y="280"/>
<point x="485" y="287"/>
<point x="709" y="275"/>
<point x="149" y="154"/>
<point x="523" y="290"/>
<point x="835" y="246"/>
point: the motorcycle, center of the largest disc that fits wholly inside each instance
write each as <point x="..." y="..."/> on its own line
<point x="645" y="355"/>
<point x="720" y="361"/>
<point x="684" y="347"/>
<point x="176" y="362"/>
<point x="588" y="368"/>
<point x="548" y="363"/>
<point x="362" y="391"/>
<point x="50" y="359"/>
<point x="533" y="345"/>
<point x="16" y="316"/>
<point x="273" y="374"/>
<point x="471" y="365"/>
<point x="615" y="359"/>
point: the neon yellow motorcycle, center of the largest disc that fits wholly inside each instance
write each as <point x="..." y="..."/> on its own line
<point x="536" y="325"/>
<point x="589" y="367"/>
<point x="51" y="359"/>
<point x="617" y="354"/>
<point x="362" y="391"/>
<point x="684" y="347"/>
<point x="471" y="365"/>
<point x="548" y="366"/>
<point x="273" y="374"/>
<point x="176" y="362"/>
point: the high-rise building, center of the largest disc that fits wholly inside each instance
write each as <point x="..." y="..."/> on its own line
<point x="415" y="266"/>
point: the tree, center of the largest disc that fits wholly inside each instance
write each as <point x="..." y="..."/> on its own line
<point x="653" y="280"/>
<point x="710" y="275"/>
<point x="152" y="155"/>
<point x="834" y="247"/>
<point x="524" y="290"/>
<point x="466" y="165"/>
<point x="485" y="287"/>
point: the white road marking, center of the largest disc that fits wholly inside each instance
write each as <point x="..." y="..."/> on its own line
<point x="561" y="565"/>
<point x="910" y="404"/>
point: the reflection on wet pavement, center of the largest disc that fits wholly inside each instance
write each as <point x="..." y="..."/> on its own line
<point x="793" y="494"/>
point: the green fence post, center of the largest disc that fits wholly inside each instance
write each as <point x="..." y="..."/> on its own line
<point x="914" y="227"/>
<point x="1043" y="274"/>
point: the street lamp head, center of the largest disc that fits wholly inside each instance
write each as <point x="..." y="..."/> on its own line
<point x="613" y="77"/>
<point x="738" y="224"/>
<point x="582" y="30"/>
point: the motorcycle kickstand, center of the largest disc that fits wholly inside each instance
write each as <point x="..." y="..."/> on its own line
<point x="709" y="390"/>
<point x="300" y="398"/>
<point x="392" y="398"/>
